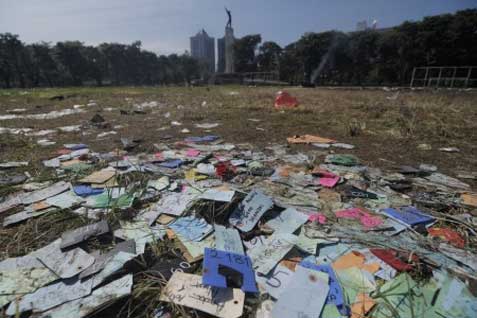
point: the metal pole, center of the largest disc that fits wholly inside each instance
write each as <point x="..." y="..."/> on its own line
<point x="425" y="77"/>
<point x="468" y="77"/>
<point x="439" y="78"/>
<point x="453" y="77"/>
<point x="412" y="78"/>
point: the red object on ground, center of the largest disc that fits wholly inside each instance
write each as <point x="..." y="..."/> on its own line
<point x="395" y="259"/>
<point x="449" y="235"/>
<point x="225" y="170"/>
<point x="285" y="100"/>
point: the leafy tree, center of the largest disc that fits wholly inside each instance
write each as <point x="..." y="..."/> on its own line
<point x="244" y="53"/>
<point x="269" y="56"/>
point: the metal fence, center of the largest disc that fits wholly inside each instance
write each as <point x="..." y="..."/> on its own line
<point x="444" y="76"/>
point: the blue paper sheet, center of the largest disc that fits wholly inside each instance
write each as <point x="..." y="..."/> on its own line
<point x="201" y="139"/>
<point x="191" y="228"/>
<point x="409" y="215"/>
<point x="240" y="263"/>
<point x="175" y="163"/>
<point x="335" y="295"/>
<point x="86" y="190"/>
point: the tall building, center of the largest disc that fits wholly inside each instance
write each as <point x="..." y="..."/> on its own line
<point x="221" y="54"/>
<point x="202" y="47"/>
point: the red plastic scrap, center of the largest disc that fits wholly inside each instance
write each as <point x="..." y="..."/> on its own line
<point x="225" y="170"/>
<point x="285" y="100"/>
<point x="449" y="235"/>
<point x="395" y="259"/>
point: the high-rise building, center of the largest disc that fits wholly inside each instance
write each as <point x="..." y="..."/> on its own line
<point x="221" y="55"/>
<point x="202" y="47"/>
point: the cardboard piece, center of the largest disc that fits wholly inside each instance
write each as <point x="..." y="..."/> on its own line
<point x="64" y="264"/>
<point x="24" y="215"/>
<point x="217" y="195"/>
<point x="362" y="305"/>
<point x="51" y="296"/>
<point x="336" y="295"/>
<point x="174" y="203"/>
<point x="81" y="234"/>
<point x="265" y="257"/>
<point x="99" y="177"/>
<point x="228" y="239"/>
<point x="99" y="298"/>
<point x="241" y="275"/>
<point x="288" y="221"/>
<point x="250" y="210"/>
<point x="309" y="139"/>
<point x="191" y="228"/>
<point x="45" y="193"/>
<point x="65" y="200"/>
<point x="469" y="199"/>
<point x="354" y="259"/>
<point x="102" y="259"/>
<point x="277" y="281"/>
<point x="304" y="296"/>
<point x="187" y="290"/>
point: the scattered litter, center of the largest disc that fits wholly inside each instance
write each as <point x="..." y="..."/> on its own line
<point x="13" y="164"/>
<point x="51" y="115"/>
<point x="187" y="290"/>
<point x="81" y="234"/>
<point x="207" y="125"/>
<point x="250" y="210"/>
<point x="449" y="149"/>
<point x="231" y="231"/>
<point x="309" y="139"/>
<point x="285" y="100"/>
<point x="226" y="269"/>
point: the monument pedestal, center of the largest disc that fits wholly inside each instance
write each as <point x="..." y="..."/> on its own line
<point x="229" y="50"/>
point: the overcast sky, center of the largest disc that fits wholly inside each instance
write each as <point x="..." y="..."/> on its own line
<point x="164" y="26"/>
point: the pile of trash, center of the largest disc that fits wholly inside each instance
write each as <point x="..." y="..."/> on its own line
<point x="211" y="228"/>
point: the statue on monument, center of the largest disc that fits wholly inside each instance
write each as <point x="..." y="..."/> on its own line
<point x="229" y="14"/>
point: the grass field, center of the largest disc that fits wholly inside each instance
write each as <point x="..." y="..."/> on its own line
<point x="386" y="127"/>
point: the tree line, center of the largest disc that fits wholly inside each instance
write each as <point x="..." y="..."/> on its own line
<point x="72" y="63"/>
<point x="370" y="57"/>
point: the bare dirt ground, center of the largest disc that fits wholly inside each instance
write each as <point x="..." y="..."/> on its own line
<point x="386" y="127"/>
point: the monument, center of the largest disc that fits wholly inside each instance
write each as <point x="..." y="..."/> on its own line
<point x="229" y="45"/>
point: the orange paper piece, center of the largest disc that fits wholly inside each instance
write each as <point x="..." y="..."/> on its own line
<point x="309" y="139"/>
<point x="448" y="235"/>
<point x="40" y="206"/>
<point x="469" y="199"/>
<point x="362" y="305"/>
<point x="355" y="259"/>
